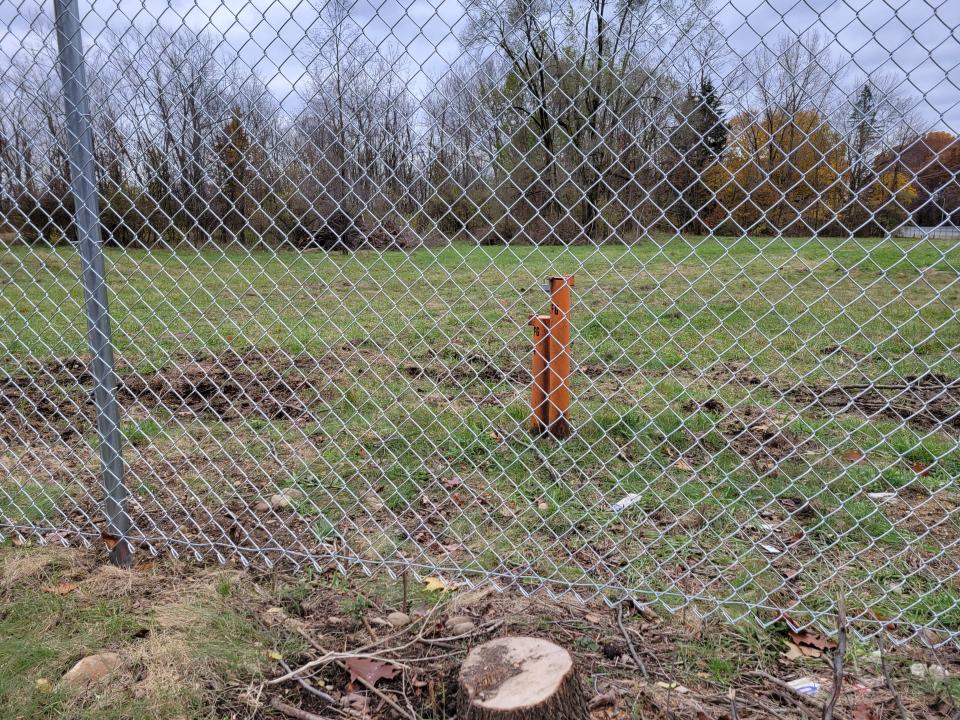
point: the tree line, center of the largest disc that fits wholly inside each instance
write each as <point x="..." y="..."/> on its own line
<point x="590" y="121"/>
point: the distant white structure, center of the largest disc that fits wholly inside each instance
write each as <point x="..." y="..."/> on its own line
<point x="945" y="231"/>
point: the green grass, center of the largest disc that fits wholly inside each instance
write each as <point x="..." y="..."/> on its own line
<point x="680" y="302"/>
<point x="652" y="325"/>
<point x="177" y="648"/>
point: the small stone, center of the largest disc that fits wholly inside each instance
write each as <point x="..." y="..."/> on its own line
<point x="456" y="620"/>
<point x="91" y="669"/>
<point x="262" y="506"/>
<point x="398" y="619"/>
<point x="471" y="598"/>
<point x="463" y="628"/>
<point x="918" y="669"/>
<point x="543" y="506"/>
<point x="937" y="672"/>
<point x="285" y="498"/>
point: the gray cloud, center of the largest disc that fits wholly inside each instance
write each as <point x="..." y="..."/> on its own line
<point x="917" y="41"/>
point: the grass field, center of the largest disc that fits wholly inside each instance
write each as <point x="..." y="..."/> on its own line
<point x="720" y="380"/>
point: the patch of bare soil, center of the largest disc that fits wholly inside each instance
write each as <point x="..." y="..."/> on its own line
<point x="926" y="401"/>
<point x="235" y="385"/>
<point x="53" y="401"/>
<point x="471" y="366"/>
<point x="753" y="434"/>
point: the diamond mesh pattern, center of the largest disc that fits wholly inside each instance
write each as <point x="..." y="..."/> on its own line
<point x="326" y="226"/>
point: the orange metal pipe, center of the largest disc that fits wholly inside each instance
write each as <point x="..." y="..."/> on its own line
<point x="558" y="393"/>
<point x="540" y="371"/>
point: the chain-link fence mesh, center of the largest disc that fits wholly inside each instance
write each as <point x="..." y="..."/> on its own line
<point x="326" y="225"/>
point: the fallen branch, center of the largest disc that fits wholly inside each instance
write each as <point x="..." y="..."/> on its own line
<point x="294" y="712"/>
<point x="444" y="641"/>
<point x="309" y="687"/>
<point x="630" y="645"/>
<point x="838" y="655"/>
<point x="734" y="715"/>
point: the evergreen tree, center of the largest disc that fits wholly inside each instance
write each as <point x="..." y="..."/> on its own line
<point x="711" y="113"/>
<point x="697" y="141"/>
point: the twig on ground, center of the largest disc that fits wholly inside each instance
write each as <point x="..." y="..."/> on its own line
<point x="309" y="687"/>
<point x="630" y="645"/>
<point x="838" y="655"/>
<point x="294" y="712"/>
<point x="734" y="715"/>
<point x="743" y="699"/>
<point x="362" y="651"/>
<point x="888" y="681"/>
<point x="370" y="632"/>
<point x="791" y="692"/>
<point x="758" y="703"/>
<point x="343" y="666"/>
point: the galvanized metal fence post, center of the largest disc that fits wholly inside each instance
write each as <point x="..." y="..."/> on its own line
<point x="86" y="217"/>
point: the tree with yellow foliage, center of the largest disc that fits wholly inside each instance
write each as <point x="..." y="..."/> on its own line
<point x="782" y="173"/>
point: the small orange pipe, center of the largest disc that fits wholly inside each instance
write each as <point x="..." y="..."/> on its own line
<point x="558" y="394"/>
<point x="540" y="369"/>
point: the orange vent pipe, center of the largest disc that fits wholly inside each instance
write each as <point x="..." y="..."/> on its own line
<point x="558" y="386"/>
<point x="540" y="371"/>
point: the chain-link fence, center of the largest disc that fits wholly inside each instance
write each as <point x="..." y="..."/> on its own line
<point x="326" y="226"/>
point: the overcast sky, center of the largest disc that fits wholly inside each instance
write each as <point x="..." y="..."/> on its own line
<point x="916" y="39"/>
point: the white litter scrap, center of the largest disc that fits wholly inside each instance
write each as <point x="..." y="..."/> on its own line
<point x="626" y="502"/>
<point x="805" y="686"/>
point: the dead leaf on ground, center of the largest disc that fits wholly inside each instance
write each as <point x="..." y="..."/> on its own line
<point x="110" y="540"/>
<point x="853" y="456"/>
<point x="811" y="642"/>
<point x="683" y="465"/>
<point x="795" y="652"/>
<point x="371" y="670"/>
<point x="60" y="588"/>
<point x="435" y="584"/>
<point x="863" y="711"/>
<point x="921" y="469"/>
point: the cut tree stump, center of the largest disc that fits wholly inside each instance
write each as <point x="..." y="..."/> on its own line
<point x="520" y="678"/>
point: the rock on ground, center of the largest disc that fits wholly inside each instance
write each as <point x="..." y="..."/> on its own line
<point x="91" y="669"/>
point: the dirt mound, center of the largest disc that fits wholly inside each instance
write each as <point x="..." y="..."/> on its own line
<point x="233" y="386"/>
<point x="54" y="401"/>
<point x="48" y="405"/>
